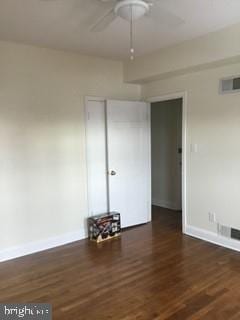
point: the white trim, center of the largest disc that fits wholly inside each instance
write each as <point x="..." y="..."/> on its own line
<point x="87" y="99"/>
<point x="92" y="98"/>
<point x="212" y="237"/>
<point x="37" y="246"/>
<point x="165" y="204"/>
<point x="172" y="96"/>
<point x="149" y="162"/>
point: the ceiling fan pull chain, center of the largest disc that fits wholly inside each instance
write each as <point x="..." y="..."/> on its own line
<point x="131" y="34"/>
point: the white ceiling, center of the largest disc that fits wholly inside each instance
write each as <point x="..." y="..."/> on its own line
<point x="65" y="24"/>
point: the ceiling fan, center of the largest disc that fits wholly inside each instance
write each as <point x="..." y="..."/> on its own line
<point x="132" y="10"/>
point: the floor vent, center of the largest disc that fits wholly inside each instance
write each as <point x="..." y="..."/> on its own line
<point x="229" y="232"/>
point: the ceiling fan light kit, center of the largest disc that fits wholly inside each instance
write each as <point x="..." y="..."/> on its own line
<point x="131" y="9"/>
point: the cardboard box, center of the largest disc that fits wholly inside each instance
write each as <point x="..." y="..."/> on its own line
<point x="104" y="226"/>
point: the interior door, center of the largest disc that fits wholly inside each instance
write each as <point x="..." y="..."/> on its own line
<point x="128" y="143"/>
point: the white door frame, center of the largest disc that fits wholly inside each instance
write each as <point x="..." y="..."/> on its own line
<point x="150" y="100"/>
<point x="183" y="96"/>
<point x="86" y="115"/>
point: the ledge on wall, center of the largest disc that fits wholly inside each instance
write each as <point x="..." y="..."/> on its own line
<point x="211" y="50"/>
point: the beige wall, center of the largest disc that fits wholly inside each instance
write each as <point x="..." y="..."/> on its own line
<point x="166" y="136"/>
<point x="213" y="123"/>
<point x="42" y="138"/>
<point x="216" y="48"/>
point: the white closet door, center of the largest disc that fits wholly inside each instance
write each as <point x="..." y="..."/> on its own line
<point x="128" y="149"/>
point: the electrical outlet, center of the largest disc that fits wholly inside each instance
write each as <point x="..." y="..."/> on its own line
<point x="212" y="217"/>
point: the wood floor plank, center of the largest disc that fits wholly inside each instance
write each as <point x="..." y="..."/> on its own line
<point x="152" y="272"/>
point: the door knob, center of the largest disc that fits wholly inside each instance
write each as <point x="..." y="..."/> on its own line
<point x="113" y="173"/>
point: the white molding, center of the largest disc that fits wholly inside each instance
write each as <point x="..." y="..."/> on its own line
<point x="149" y="162"/>
<point x="93" y="98"/>
<point x="37" y="246"/>
<point x="212" y="237"/>
<point x="165" y="204"/>
<point x="86" y="103"/>
<point x="172" y="96"/>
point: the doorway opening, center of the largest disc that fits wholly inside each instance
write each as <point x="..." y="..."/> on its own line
<point x="166" y="159"/>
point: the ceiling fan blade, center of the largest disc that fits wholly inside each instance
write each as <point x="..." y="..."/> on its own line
<point x="164" y="16"/>
<point x="104" y="22"/>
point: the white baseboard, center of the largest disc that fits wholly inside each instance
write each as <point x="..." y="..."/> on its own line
<point x="212" y="237"/>
<point x="33" y="247"/>
<point x="165" y="204"/>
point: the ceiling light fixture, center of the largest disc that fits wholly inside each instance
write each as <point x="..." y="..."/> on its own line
<point x="139" y="9"/>
<point x="131" y="10"/>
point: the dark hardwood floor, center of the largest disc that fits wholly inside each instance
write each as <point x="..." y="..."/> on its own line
<point x="152" y="272"/>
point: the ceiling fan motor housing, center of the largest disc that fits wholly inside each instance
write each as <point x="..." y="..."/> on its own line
<point x="131" y="9"/>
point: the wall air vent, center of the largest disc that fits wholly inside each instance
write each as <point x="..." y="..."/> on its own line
<point x="235" y="234"/>
<point x="229" y="232"/>
<point x="224" y="231"/>
<point x="230" y="85"/>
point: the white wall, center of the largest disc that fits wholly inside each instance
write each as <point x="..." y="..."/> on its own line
<point x="166" y="117"/>
<point x="213" y="123"/>
<point x="213" y="49"/>
<point x="42" y="138"/>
